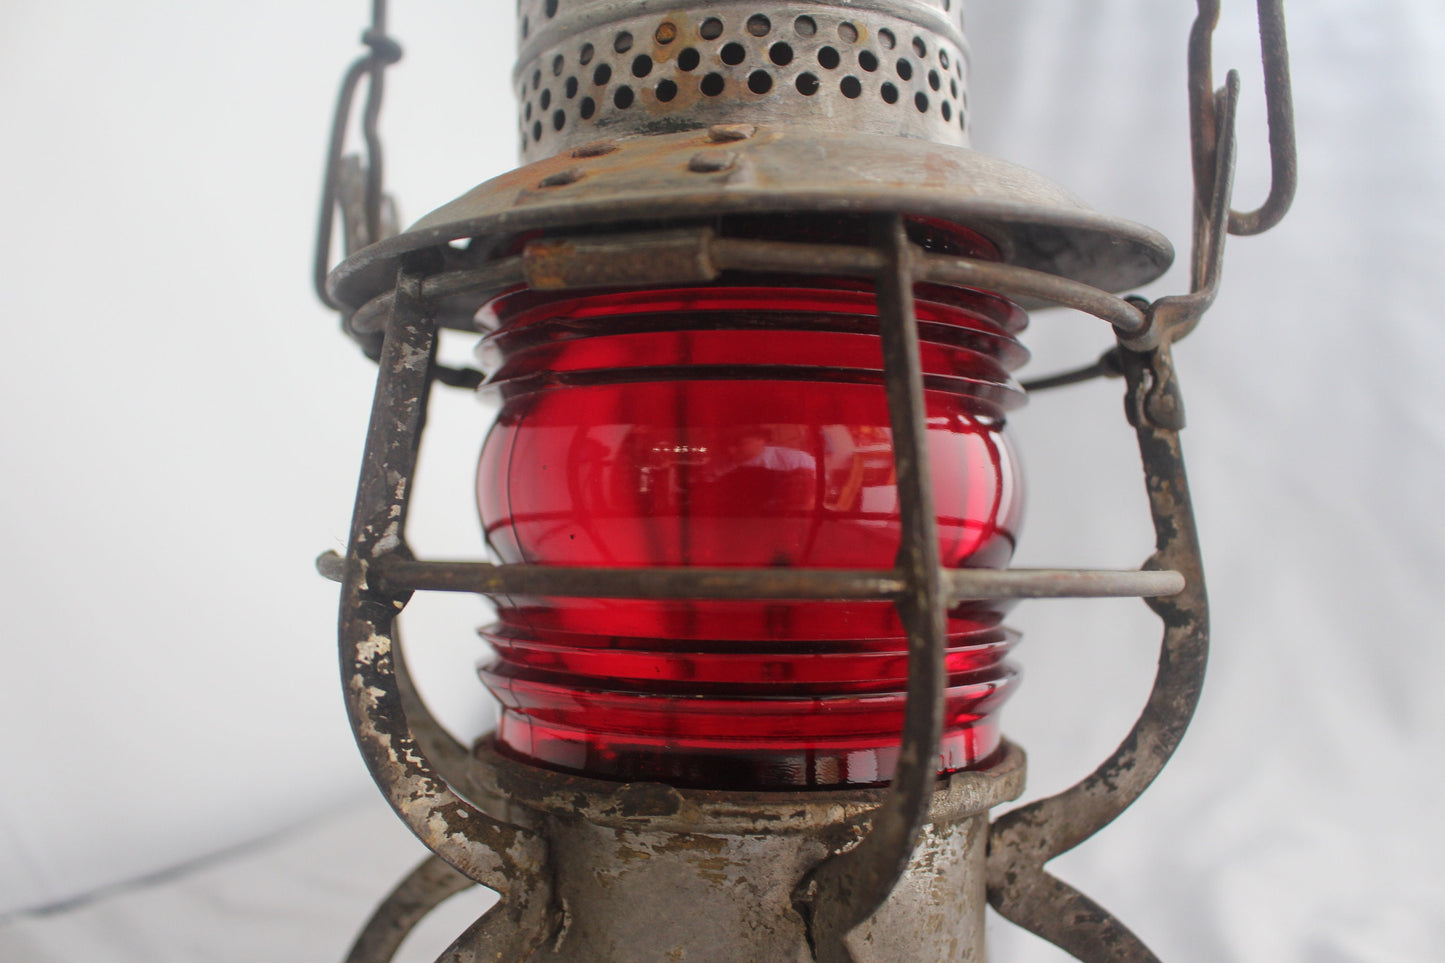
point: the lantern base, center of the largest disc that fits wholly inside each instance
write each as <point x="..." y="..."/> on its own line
<point x="646" y="872"/>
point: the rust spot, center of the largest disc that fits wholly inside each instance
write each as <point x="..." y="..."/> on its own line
<point x="689" y="843"/>
<point x="723" y="133"/>
<point x="597" y="148"/>
<point x="714" y="869"/>
<point x="626" y="854"/>
<point x="648" y="799"/>
<point x="545" y="258"/>
<point x="562" y="178"/>
<point x="711" y="162"/>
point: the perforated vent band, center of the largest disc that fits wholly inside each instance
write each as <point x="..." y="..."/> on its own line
<point x="606" y="68"/>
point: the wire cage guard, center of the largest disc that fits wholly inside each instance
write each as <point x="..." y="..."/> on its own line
<point x="435" y="784"/>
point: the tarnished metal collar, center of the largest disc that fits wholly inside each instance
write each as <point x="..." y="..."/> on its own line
<point x="611" y="68"/>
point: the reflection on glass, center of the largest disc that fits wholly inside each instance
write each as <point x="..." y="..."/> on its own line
<point x="737" y="427"/>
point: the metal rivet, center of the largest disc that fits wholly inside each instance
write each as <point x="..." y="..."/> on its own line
<point x="595" y="149"/>
<point x="724" y="133"/>
<point x="710" y="162"/>
<point x="562" y="178"/>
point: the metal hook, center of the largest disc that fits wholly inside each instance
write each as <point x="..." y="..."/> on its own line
<point x="358" y="191"/>
<point x="1279" y="101"/>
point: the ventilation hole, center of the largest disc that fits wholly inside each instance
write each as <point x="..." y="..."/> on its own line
<point x="962" y="124"/>
<point x="571" y="87"/>
<point x="623" y="42"/>
<point x="641" y="65"/>
<point x="759" y="25"/>
<point x="666" y="90"/>
<point x="732" y="54"/>
<point x="602" y="74"/>
<point x="536" y="130"/>
<point x="807" y="84"/>
<point x="760" y="81"/>
<point x="953" y="88"/>
<point x="688" y="59"/>
<point x="920" y="100"/>
<point x="712" y="85"/>
<point x="711" y="28"/>
<point x="943" y="57"/>
<point x="558" y="62"/>
<point x="889" y="93"/>
<point x="933" y="80"/>
<point x="905" y="70"/>
<point x="536" y="79"/>
<point x="585" y="56"/>
<point x="851" y="87"/>
<point x="867" y="61"/>
<point x="886" y="38"/>
<point x="780" y="54"/>
<point x="947" y="111"/>
<point x="828" y="57"/>
<point x="947" y="5"/>
<point x="622" y="97"/>
<point x="526" y="28"/>
<point x="558" y="119"/>
<point x="545" y="100"/>
<point x="551" y="8"/>
<point x="919" y="47"/>
<point x="666" y="32"/>
<point x="587" y="108"/>
<point x="847" y="32"/>
<point x="527" y="112"/>
<point x="805" y="26"/>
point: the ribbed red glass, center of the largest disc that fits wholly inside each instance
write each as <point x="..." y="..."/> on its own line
<point x="737" y="425"/>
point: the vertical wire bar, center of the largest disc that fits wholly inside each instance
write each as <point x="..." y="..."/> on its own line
<point x="398" y="416"/>
<point x="502" y="857"/>
<point x="849" y="887"/>
<point x="1023" y="840"/>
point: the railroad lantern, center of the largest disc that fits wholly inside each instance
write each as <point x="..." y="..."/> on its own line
<point x="752" y="311"/>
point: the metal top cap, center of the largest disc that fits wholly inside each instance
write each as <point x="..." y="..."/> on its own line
<point x="588" y="69"/>
<point x="682" y="178"/>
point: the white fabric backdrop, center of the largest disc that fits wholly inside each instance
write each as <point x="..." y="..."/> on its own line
<point x="180" y="427"/>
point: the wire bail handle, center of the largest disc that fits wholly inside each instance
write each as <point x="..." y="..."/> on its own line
<point x="368" y="213"/>
<point x="1279" y="101"/>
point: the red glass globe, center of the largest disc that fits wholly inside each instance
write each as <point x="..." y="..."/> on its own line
<point x="738" y="425"/>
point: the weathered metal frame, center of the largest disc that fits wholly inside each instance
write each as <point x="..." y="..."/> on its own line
<point x="845" y="889"/>
<point x="1026" y="838"/>
<point x="419" y="767"/>
<point x="379" y="575"/>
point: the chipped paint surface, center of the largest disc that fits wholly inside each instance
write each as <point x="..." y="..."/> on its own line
<point x="414" y="358"/>
<point x="642" y="880"/>
<point x="503" y="857"/>
<point x="373" y="647"/>
<point x="1024" y="840"/>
